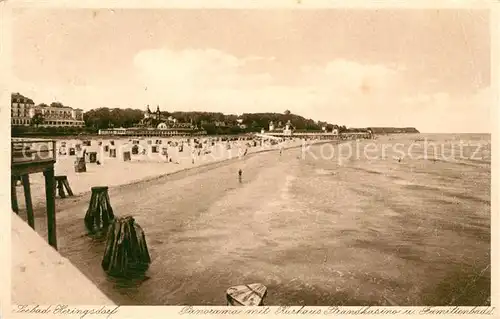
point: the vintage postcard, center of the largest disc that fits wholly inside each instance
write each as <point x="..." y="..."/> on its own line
<point x="258" y="158"/>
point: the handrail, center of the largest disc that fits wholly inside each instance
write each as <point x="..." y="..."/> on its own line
<point x="20" y="153"/>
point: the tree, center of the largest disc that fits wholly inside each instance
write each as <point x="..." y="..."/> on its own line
<point x="209" y="128"/>
<point x="56" y="104"/>
<point x="37" y="119"/>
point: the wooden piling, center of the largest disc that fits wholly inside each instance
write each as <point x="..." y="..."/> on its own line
<point x="27" y="198"/>
<point x="100" y="213"/>
<point x="51" y="206"/>
<point x="126" y="253"/>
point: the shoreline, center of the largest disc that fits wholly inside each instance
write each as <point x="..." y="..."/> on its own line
<point x="38" y="201"/>
<point x="205" y="166"/>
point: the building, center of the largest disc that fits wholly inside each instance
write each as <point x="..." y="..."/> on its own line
<point x="58" y="115"/>
<point x="153" y="132"/>
<point x="23" y="110"/>
<point x="271" y="126"/>
<point x="20" y="109"/>
<point x="156" y="124"/>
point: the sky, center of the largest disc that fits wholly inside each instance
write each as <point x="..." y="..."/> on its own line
<point x="425" y="68"/>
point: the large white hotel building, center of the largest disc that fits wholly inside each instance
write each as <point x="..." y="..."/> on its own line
<point x="23" y="109"/>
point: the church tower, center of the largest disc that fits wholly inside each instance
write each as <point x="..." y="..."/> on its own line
<point x="158" y="113"/>
<point x="147" y="113"/>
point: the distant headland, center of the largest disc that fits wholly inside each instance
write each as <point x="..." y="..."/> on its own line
<point x="393" y="130"/>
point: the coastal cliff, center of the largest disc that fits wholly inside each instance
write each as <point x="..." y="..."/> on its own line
<point x="393" y="130"/>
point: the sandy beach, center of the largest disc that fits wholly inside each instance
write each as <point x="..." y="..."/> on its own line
<point x="114" y="171"/>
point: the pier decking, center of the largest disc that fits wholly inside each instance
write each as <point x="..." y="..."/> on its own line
<point x="29" y="157"/>
<point x="40" y="275"/>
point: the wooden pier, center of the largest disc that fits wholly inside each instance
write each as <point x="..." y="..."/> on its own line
<point x="29" y="157"/>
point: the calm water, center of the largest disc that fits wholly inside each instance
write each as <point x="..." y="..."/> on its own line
<point x="331" y="230"/>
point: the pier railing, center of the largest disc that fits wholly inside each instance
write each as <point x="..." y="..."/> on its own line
<point x="33" y="151"/>
<point x="29" y="157"/>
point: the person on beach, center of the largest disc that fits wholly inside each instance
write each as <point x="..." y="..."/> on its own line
<point x="240" y="172"/>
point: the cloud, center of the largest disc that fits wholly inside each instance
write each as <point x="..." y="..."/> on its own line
<point x="351" y="77"/>
<point x="339" y="91"/>
<point x="259" y="58"/>
<point x="202" y="79"/>
<point x="194" y="70"/>
<point x="441" y="112"/>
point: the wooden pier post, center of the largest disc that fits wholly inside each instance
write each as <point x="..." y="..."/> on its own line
<point x="100" y="213"/>
<point x="27" y="198"/>
<point x="50" y="199"/>
<point x="126" y="253"/>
